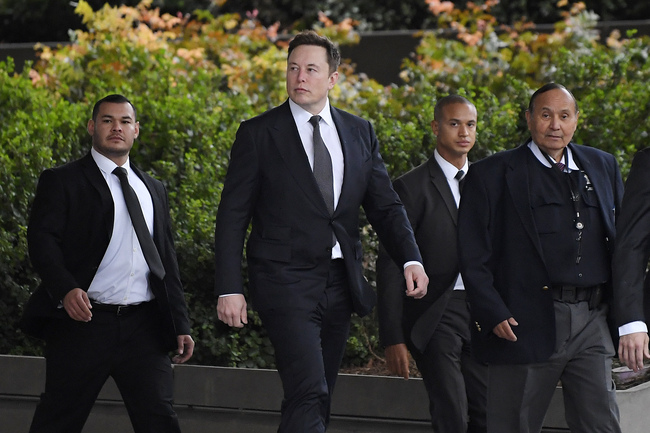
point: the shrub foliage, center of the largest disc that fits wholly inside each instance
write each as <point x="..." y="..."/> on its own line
<point x="194" y="78"/>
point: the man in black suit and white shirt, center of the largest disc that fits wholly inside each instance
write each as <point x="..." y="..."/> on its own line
<point x="300" y="173"/>
<point x="631" y="285"/>
<point x="111" y="301"/>
<point x="436" y="329"/>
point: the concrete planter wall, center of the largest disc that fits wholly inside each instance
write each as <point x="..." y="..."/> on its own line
<point x="218" y="399"/>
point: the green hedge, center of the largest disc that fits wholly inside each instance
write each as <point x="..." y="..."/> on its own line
<point x="194" y="79"/>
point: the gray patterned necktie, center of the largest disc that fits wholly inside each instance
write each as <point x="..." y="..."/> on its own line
<point x="323" y="166"/>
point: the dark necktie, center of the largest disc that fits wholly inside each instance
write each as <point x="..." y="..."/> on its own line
<point x="137" y="218"/>
<point x="561" y="166"/>
<point x="461" y="179"/>
<point x="323" y="166"/>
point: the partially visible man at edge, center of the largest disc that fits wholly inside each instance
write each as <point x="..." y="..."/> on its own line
<point x="300" y="173"/>
<point x="631" y="284"/>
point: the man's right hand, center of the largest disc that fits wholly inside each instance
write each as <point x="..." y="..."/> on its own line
<point x="397" y="359"/>
<point x="231" y="310"/>
<point x="504" y="329"/>
<point x="77" y="305"/>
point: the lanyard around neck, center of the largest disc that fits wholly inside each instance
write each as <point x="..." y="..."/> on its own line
<point x="574" y="187"/>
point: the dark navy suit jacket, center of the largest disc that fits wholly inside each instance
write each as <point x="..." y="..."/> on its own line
<point x="270" y="185"/>
<point x="501" y="258"/>
<point x="432" y="211"/>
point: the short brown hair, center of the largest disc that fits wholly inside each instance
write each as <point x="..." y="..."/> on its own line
<point x="310" y="37"/>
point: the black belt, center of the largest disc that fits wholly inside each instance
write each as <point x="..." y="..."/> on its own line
<point x="118" y="310"/>
<point x="575" y="294"/>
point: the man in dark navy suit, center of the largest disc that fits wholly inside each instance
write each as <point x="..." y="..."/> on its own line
<point x="300" y="173"/>
<point x="111" y="301"/>
<point x="536" y="233"/>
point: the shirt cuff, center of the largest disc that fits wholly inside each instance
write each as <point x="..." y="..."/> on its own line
<point x="413" y="262"/>
<point x="632" y="327"/>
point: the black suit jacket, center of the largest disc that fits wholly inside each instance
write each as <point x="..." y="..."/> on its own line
<point x="270" y="183"/>
<point x="432" y="211"/>
<point x="69" y="230"/>
<point x="501" y="258"/>
<point x="633" y="245"/>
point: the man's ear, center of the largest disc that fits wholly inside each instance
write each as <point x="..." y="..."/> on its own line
<point x="434" y="127"/>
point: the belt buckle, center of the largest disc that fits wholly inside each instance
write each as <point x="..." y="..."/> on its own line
<point x="121" y="309"/>
<point x="569" y="293"/>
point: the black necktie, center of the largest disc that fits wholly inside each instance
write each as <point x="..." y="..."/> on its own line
<point x="561" y="166"/>
<point x="461" y="180"/>
<point x="142" y="232"/>
<point x="323" y="166"/>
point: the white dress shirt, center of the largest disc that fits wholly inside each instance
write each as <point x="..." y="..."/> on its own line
<point x="450" y="172"/>
<point x="122" y="276"/>
<point x="332" y="142"/>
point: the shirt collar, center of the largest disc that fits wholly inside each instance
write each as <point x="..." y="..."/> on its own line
<point x="302" y="116"/>
<point x="105" y="164"/>
<point x="541" y="158"/>
<point x="448" y="168"/>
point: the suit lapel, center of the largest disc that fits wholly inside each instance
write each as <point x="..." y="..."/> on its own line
<point x="440" y="183"/>
<point x="285" y="138"/>
<point x="352" y="158"/>
<point x="518" y="187"/>
<point x="96" y="179"/>
<point x="158" y="206"/>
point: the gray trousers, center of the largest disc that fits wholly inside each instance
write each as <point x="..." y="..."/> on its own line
<point x="519" y="395"/>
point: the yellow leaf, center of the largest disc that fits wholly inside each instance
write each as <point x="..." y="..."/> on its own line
<point x="84" y="9"/>
<point x="230" y="24"/>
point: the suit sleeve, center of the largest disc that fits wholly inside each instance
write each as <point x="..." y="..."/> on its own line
<point x="45" y="234"/>
<point x="476" y="233"/>
<point x="633" y="243"/>
<point x="390" y="290"/>
<point x="385" y="211"/>
<point x="173" y="285"/>
<point x="234" y="213"/>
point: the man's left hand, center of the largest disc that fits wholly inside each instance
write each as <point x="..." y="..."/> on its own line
<point x="416" y="281"/>
<point x="185" y="349"/>
<point x="632" y="349"/>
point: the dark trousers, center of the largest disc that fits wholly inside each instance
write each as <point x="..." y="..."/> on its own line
<point x="309" y="347"/>
<point x="81" y="356"/>
<point x="519" y="395"/>
<point x="455" y="381"/>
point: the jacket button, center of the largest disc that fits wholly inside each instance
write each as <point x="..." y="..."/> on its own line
<point x="545" y="288"/>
